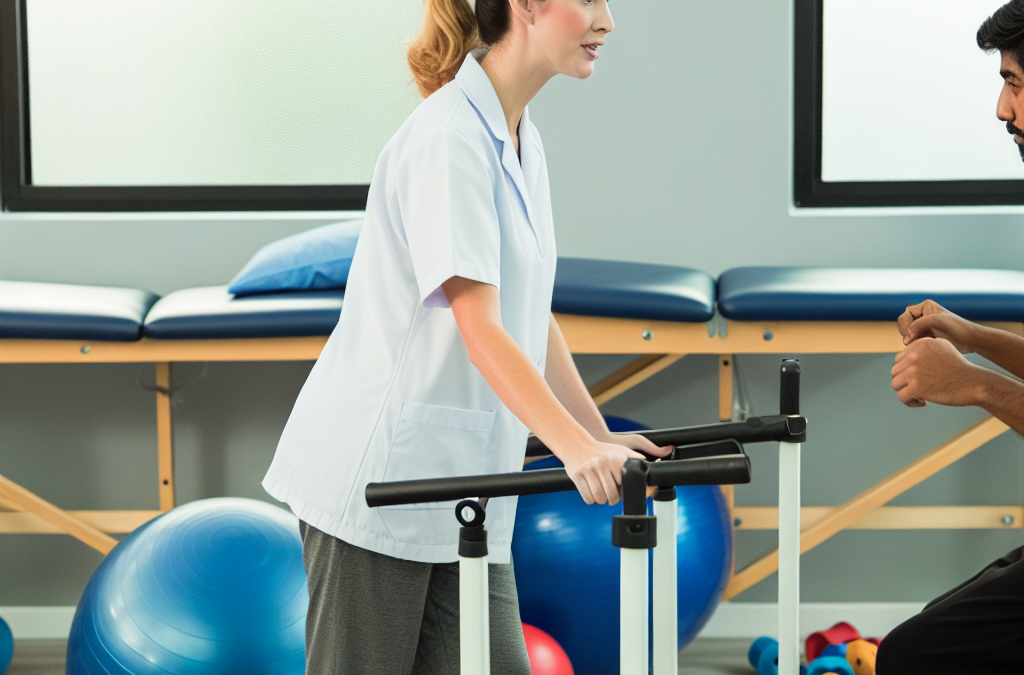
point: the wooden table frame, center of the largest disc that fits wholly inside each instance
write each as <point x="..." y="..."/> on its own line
<point x="657" y="344"/>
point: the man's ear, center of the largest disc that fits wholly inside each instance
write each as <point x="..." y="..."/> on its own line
<point x="524" y="10"/>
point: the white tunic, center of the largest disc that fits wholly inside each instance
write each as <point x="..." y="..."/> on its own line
<point x="394" y="395"/>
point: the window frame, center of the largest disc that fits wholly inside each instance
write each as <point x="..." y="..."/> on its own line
<point x="809" y="191"/>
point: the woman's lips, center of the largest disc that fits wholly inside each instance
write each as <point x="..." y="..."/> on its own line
<point x="591" y="51"/>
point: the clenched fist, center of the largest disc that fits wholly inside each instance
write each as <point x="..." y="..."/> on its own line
<point x="933" y="369"/>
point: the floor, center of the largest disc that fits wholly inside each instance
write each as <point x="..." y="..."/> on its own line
<point x="704" y="657"/>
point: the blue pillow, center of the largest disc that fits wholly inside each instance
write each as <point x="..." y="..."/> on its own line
<point x="313" y="260"/>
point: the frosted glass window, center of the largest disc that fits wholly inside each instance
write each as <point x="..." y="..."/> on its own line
<point x="216" y="92"/>
<point x="908" y="96"/>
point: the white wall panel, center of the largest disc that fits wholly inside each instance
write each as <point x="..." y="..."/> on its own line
<point x="216" y="92"/>
<point x="907" y="94"/>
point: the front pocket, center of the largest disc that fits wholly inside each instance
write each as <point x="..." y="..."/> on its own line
<point x="433" y="441"/>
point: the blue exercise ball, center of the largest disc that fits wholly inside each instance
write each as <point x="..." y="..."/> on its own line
<point x="6" y="646"/>
<point x="214" y="586"/>
<point x="567" y="571"/>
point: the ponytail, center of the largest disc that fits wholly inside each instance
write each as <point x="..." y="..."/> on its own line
<point x="448" y="33"/>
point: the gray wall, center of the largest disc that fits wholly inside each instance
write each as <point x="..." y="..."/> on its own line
<point x="675" y="152"/>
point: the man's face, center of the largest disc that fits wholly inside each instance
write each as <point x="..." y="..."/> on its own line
<point x="1010" y="108"/>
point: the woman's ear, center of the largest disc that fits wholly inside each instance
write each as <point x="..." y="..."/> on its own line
<point x="524" y="10"/>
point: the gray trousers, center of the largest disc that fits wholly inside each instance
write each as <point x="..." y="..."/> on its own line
<point x="371" y="614"/>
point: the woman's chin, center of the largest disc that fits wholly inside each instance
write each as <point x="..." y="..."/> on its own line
<point x="582" y="71"/>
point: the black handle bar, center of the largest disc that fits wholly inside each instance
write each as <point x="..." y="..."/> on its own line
<point x="787" y="428"/>
<point x="731" y="466"/>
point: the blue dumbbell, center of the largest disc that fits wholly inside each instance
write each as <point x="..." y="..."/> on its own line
<point x="768" y="662"/>
<point x="767" y="665"/>
<point x="756" y="649"/>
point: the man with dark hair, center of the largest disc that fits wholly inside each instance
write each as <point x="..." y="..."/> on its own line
<point x="1004" y="32"/>
<point x="978" y="627"/>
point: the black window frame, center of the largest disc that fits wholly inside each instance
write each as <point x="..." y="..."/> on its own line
<point x="809" y="191"/>
<point x="18" y="194"/>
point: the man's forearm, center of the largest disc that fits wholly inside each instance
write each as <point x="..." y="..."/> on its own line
<point x="1002" y="348"/>
<point x="1003" y="398"/>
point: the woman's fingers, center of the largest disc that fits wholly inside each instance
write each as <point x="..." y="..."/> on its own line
<point x="596" y="487"/>
<point x="650" y="448"/>
<point x="610" y="486"/>
<point x="583" y="489"/>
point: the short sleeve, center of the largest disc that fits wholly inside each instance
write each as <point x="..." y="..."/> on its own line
<point x="445" y="192"/>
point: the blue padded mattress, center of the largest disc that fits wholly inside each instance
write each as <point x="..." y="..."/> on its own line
<point x="212" y="312"/>
<point x="633" y="290"/>
<point x="33" y="310"/>
<point x="822" y="294"/>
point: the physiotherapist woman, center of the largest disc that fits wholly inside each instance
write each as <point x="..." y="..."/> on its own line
<point x="446" y="354"/>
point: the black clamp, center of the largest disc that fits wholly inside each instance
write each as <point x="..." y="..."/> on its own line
<point x="634" y="528"/>
<point x="472" y="534"/>
<point x="634" y="532"/>
<point x="665" y="494"/>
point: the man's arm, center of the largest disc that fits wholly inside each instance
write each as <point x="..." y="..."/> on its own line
<point x="933" y="370"/>
<point x="595" y="466"/>
<point x="929" y="319"/>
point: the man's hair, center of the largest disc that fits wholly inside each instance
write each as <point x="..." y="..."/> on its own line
<point x="1004" y="30"/>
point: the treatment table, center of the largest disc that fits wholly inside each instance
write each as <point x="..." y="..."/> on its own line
<point x="657" y="313"/>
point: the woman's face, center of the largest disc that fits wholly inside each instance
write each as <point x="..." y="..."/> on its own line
<point x="570" y="32"/>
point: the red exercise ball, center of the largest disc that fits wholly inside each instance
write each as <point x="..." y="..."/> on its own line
<point x="546" y="656"/>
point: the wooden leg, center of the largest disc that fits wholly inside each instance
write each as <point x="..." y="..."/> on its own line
<point x="164" y="440"/>
<point x="725" y="396"/>
<point x="630" y="375"/>
<point x="882" y="492"/>
<point x="14" y="494"/>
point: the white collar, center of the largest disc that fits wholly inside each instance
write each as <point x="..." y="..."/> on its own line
<point x="479" y="89"/>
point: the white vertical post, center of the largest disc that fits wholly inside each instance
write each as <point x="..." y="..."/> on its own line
<point x="789" y="558"/>
<point x="474" y="617"/>
<point x="666" y="618"/>
<point x="633" y="611"/>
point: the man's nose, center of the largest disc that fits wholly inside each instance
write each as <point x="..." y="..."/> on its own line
<point x="1004" y="107"/>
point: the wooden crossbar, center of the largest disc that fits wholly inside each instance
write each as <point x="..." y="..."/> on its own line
<point x="630" y="375"/>
<point x="25" y="500"/>
<point x="584" y="334"/>
<point x="878" y="494"/>
<point x="162" y="351"/>
<point x="110" y="522"/>
<point x="1005" y="517"/>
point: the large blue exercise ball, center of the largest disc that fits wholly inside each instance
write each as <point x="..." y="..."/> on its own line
<point x="214" y="586"/>
<point x="567" y="571"/>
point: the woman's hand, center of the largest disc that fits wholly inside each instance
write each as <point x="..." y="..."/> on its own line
<point x="929" y="319"/>
<point x="597" y="467"/>
<point x="638" y="443"/>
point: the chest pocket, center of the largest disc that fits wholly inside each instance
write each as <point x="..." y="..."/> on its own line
<point x="434" y="441"/>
